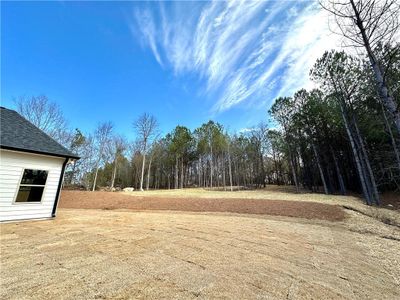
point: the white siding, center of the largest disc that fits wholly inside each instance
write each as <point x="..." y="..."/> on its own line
<point x="12" y="165"/>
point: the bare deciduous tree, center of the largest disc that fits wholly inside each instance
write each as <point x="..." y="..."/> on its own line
<point x="45" y="115"/>
<point x="118" y="146"/>
<point x="228" y="143"/>
<point x="87" y="162"/>
<point x="102" y="137"/>
<point x="368" y="24"/>
<point x="259" y="136"/>
<point x="146" y="127"/>
<point x="151" y="150"/>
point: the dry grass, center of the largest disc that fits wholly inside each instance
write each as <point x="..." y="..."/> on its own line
<point x="97" y="254"/>
<point x="272" y="192"/>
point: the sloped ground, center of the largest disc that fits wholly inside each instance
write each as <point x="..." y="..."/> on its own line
<point x="272" y="244"/>
<point x="385" y="213"/>
<point x="108" y="200"/>
<point x="103" y="254"/>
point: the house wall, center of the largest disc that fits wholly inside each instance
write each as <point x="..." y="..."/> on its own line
<point x="12" y="165"/>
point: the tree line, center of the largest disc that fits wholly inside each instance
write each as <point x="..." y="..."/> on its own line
<point x="343" y="135"/>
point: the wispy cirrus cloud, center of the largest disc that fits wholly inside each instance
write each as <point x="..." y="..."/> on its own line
<point x="244" y="50"/>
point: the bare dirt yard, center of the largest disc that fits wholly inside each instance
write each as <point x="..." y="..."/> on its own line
<point x="107" y="200"/>
<point x="111" y="250"/>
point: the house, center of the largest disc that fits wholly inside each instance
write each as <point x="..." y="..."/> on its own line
<point x="32" y="168"/>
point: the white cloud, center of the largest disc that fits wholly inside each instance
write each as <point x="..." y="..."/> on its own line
<point x="242" y="49"/>
<point x="308" y="39"/>
<point x="148" y="29"/>
<point x="246" y="130"/>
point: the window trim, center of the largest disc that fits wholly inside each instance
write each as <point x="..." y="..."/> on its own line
<point x="40" y="185"/>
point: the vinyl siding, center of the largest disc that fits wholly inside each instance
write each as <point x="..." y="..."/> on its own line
<point x="12" y="165"/>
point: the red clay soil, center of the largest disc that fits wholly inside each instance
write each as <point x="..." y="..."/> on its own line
<point x="109" y="200"/>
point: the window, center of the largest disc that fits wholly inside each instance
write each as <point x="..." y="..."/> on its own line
<point x="32" y="186"/>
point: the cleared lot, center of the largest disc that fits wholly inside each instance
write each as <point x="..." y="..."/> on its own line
<point x="122" y="254"/>
<point x="107" y="200"/>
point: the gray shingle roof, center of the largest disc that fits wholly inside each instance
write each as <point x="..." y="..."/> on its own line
<point x="17" y="133"/>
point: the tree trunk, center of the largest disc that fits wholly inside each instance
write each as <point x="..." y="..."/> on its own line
<point x="72" y="173"/>
<point x="321" y="171"/>
<point x="293" y="172"/>
<point x="182" y="174"/>
<point x="236" y="172"/>
<point x="199" y="171"/>
<point x="148" y="173"/>
<point x="211" y="167"/>
<point x="368" y="165"/>
<point x="262" y="170"/>
<point x="393" y="141"/>
<point x="355" y="154"/>
<point x="95" y="178"/>
<point x="291" y="162"/>
<point x="338" y="172"/>
<point x="230" y="168"/>
<point x="143" y="164"/>
<point x="217" y="167"/>
<point x="142" y="173"/>
<point x="176" y="183"/>
<point x="276" y="167"/>
<point x="383" y="90"/>
<point x="114" y="173"/>
<point x="361" y="171"/>
<point x="156" y="179"/>
<point x="223" y="171"/>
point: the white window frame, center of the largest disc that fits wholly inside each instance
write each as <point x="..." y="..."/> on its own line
<point x="22" y="184"/>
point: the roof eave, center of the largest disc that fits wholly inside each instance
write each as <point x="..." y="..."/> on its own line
<point x="72" y="156"/>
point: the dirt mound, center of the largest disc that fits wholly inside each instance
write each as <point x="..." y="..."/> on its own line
<point x="108" y="200"/>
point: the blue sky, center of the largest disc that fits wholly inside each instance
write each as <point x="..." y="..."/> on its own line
<point x="184" y="62"/>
